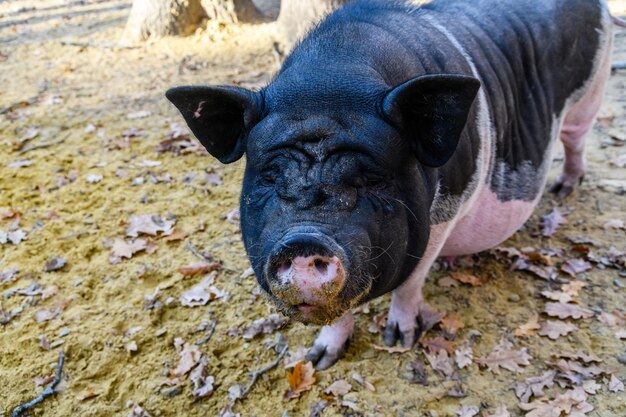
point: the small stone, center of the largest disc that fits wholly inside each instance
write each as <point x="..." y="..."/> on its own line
<point x="64" y="332"/>
<point x="171" y="392"/>
<point x="619" y="283"/>
<point x="433" y="414"/>
<point x="514" y="298"/>
<point x="622" y="358"/>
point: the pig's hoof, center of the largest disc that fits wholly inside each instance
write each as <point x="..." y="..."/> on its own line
<point x="331" y="343"/>
<point x="407" y="337"/>
<point x="563" y="188"/>
<point x="324" y="356"/>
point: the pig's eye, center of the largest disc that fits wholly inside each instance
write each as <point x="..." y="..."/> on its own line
<point x="269" y="177"/>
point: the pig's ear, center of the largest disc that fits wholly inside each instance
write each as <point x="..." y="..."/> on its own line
<point x="432" y="111"/>
<point x="220" y="117"/>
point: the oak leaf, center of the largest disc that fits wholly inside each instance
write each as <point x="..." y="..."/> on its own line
<point x="563" y="311"/>
<point x="555" y="329"/>
<point x="615" y="384"/>
<point x="339" y="388"/>
<point x="300" y="379"/>
<point x="463" y="356"/>
<point x="528" y="329"/>
<point x="503" y="356"/>
<point x="534" y="386"/>
<point x="472" y="280"/>
<point x="149" y="224"/>
<point x="451" y="323"/>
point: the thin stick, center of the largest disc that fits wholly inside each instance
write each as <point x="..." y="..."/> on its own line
<point x="98" y="45"/>
<point x="41" y="145"/>
<point x="196" y="252"/>
<point x="209" y="334"/>
<point x="256" y="374"/>
<point x="17" y="411"/>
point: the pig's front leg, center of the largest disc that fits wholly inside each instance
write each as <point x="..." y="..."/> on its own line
<point x="403" y="321"/>
<point x="331" y="342"/>
<point x="406" y="301"/>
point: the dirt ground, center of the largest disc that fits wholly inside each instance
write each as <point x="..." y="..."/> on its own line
<point x="80" y="125"/>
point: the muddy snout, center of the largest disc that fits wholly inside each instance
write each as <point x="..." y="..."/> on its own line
<point x="306" y="273"/>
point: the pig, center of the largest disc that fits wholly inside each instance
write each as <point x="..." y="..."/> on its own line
<point x="394" y="134"/>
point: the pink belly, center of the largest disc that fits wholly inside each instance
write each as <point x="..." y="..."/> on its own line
<point x="487" y="223"/>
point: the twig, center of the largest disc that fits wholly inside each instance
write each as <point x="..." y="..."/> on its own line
<point x="256" y="374"/>
<point x="196" y="252"/>
<point x="618" y="65"/>
<point x="98" y="45"/>
<point x="17" y="411"/>
<point x="209" y="334"/>
<point x="42" y="145"/>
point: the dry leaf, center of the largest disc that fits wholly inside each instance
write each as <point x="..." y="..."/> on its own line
<point x="472" y="280"/>
<point x="575" y="266"/>
<point x="467" y="411"/>
<point x="202" y="384"/>
<point x="562" y="297"/>
<point x="504" y="357"/>
<point x="202" y="293"/>
<point x="451" y="323"/>
<point x="613" y="319"/>
<point x="127" y="248"/>
<point x="463" y="355"/>
<point x="417" y="373"/>
<point x="621" y="334"/>
<point x="436" y="344"/>
<point x="199" y="268"/>
<point x="137" y="411"/>
<point x="529" y="328"/>
<point x="447" y="282"/>
<point x="293" y="357"/>
<point x="551" y="222"/>
<point x="8" y="275"/>
<point x="89" y="393"/>
<point x="614" y="224"/>
<point x="591" y="387"/>
<point x="615" y="384"/>
<point x="534" y="386"/>
<point x="573" y="402"/>
<point x="339" y="388"/>
<point x="54" y="264"/>
<point x="131" y="346"/>
<point x="563" y="311"/>
<point x="176" y="234"/>
<point x="300" y="379"/>
<point x="189" y="357"/>
<point x="358" y="378"/>
<point x="554" y="329"/>
<point x="267" y="325"/>
<point x="573" y="288"/>
<point x="149" y="224"/>
<point x="579" y="355"/>
<point x="377" y="324"/>
<point x="392" y="349"/>
<point x="440" y="362"/>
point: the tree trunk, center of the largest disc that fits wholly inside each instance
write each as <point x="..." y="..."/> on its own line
<point x="297" y="17"/>
<point x="158" y="18"/>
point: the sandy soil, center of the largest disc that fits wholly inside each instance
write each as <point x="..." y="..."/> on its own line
<point x="77" y="160"/>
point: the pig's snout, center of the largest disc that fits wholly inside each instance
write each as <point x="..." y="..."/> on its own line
<point x="307" y="274"/>
<point x="314" y="275"/>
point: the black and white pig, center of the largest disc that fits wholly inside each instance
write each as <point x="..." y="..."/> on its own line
<point x="397" y="133"/>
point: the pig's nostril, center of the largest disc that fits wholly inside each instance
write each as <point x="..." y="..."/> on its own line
<point x="321" y="266"/>
<point x="284" y="267"/>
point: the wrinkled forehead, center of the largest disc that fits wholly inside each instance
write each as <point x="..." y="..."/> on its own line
<point x="322" y="134"/>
